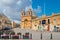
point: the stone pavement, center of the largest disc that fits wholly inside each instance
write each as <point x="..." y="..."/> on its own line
<point x="36" y="35"/>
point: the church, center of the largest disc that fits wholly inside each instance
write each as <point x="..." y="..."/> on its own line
<point x="46" y="23"/>
<point x="26" y="21"/>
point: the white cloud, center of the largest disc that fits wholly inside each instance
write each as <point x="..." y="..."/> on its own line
<point x="38" y="9"/>
<point x="19" y="2"/>
<point x="16" y="21"/>
<point x="28" y="7"/>
<point x="12" y="8"/>
<point x="8" y="1"/>
<point x="12" y="14"/>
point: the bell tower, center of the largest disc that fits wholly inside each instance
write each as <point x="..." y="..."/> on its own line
<point x="23" y="13"/>
<point x="29" y="12"/>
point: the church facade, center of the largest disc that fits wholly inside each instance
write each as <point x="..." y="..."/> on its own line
<point x="47" y="23"/>
<point x="26" y="21"/>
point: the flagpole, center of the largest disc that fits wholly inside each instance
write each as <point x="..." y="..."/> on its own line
<point x="44" y="14"/>
<point x="44" y="8"/>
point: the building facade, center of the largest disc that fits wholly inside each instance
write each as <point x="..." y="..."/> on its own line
<point x="47" y="23"/>
<point x="26" y="21"/>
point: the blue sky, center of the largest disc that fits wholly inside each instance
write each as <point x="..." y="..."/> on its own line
<point x="12" y="8"/>
<point x="51" y="6"/>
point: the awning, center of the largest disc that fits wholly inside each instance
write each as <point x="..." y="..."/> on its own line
<point x="6" y="28"/>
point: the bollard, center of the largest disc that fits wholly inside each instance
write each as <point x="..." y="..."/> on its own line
<point x="19" y="36"/>
<point x="9" y="36"/>
<point x="41" y="35"/>
<point x="1" y="36"/>
<point x="30" y="36"/>
<point x="51" y="36"/>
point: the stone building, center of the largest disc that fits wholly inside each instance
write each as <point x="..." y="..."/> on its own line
<point x="6" y="22"/>
<point x="48" y="23"/>
<point x="26" y="21"/>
